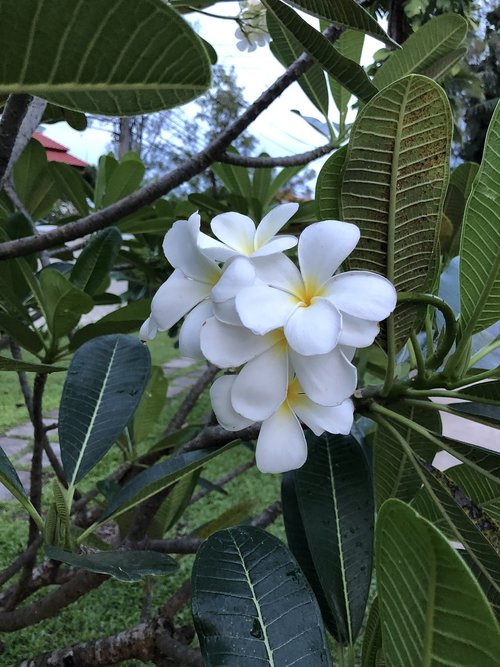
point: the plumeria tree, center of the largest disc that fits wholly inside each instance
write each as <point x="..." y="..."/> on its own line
<point x="326" y="350"/>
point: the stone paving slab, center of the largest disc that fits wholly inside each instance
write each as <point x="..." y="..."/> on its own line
<point x="24" y="476"/>
<point x="12" y="446"/>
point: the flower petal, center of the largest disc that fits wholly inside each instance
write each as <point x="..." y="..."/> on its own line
<point x="235" y="230"/>
<point x="175" y="298"/>
<point x="281" y="444"/>
<point x="226" y="312"/>
<point x="273" y="222"/>
<point x="362" y="294"/>
<point x="276" y="245"/>
<point x="238" y="274"/>
<point x="263" y="309"/>
<point x="261" y="385"/>
<point x="181" y="250"/>
<point x="227" y="346"/>
<point x="356" y="332"/>
<point x="327" y="379"/>
<point x="323" y="246"/>
<point x="149" y="329"/>
<point x="214" y="249"/>
<point x="319" y="418"/>
<point x="189" y="334"/>
<point x="279" y="271"/>
<point x="220" y="397"/>
<point x="314" y="329"/>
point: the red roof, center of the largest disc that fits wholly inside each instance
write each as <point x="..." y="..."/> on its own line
<point x="57" y="152"/>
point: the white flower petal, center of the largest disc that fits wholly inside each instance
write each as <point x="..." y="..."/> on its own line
<point x="362" y="294"/>
<point x="176" y="297"/>
<point x="276" y="245"/>
<point x="323" y="246"/>
<point x="215" y="249"/>
<point x="148" y="330"/>
<point x="181" y="250"/>
<point x="356" y="332"/>
<point x="327" y="379"/>
<point x="347" y="350"/>
<point x="228" y="346"/>
<point x="263" y="309"/>
<point x="320" y="418"/>
<point x="279" y="271"/>
<point x="235" y="230"/>
<point x="189" y="334"/>
<point x="281" y="445"/>
<point x="273" y="222"/>
<point x="239" y="273"/>
<point x="313" y="329"/>
<point x="226" y="312"/>
<point x="220" y="397"/>
<point x="261" y="385"/>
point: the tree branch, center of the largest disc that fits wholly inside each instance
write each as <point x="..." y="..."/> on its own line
<point x="13" y="114"/>
<point x="149" y="193"/>
<point x="269" y="162"/>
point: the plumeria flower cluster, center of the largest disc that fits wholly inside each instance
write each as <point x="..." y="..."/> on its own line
<point x="252" y="27"/>
<point x="290" y="331"/>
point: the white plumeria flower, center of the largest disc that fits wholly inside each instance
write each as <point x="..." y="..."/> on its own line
<point x="281" y="445"/>
<point x="252" y="31"/>
<point x="261" y="385"/>
<point x="187" y="291"/>
<point x="318" y="310"/>
<point x="238" y="236"/>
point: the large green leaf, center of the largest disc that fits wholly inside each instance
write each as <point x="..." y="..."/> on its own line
<point x="174" y="505"/>
<point x="348" y="73"/>
<point x="96" y="260"/>
<point x="7" y="364"/>
<point x="124" y="180"/>
<point x="480" y="412"/>
<point x="152" y="403"/>
<point x="427" y="46"/>
<point x="32" y="176"/>
<point x="252" y="605"/>
<point x="394" y="475"/>
<point x="349" y="44"/>
<point x="328" y="186"/>
<point x="394" y="184"/>
<point x="64" y="303"/>
<point x="157" y="477"/>
<point x="372" y="638"/>
<point x="121" y="58"/>
<point x="122" y="565"/>
<point x="484" y="460"/>
<point x="346" y="13"/>
<point x="104" y="384"/>
<point x="483" y="491"/>
<point x="21" y="333"/>
<point x="335" y="495"/>
<point x="480" y="241"/>
<point x="459" y="188"/>
<point x="432" y="610"/>
<point x="72" y="186"/>
<point x="287" y="49"/>
<point x="10" y="479"/>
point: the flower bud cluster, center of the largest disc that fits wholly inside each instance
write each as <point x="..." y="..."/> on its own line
<point x="291" y="331"/>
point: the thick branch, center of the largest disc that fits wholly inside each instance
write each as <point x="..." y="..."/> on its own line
<point x="14" y="111"/>
<point x="269" y="162"/>
<point x="149" y="193"/>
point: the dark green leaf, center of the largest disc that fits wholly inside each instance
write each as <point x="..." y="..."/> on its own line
<point x="393" y="187"/>
<point x="123" y="320"/>
<point x="442" y="66"/>
<point x="118" y="59"/>
<point x="174" y="505"/>
<point x="21" y="333"/>
<point x="459" y="188"/>
<point x="486" y="460"/>
<point x="32" y="176"/>
<point x="64" y="303"/>
<point x="9" y="477"/>
<point x="335" y="495"/>
<point x="252" y="604"/>
<point x="152" y="403"/>
<point x="104" y="384"/>
<point x="72" y="187"/>
<point x="124" y="180"/>
<point x="348" y="73"/>
<point x="432" y="609"/>
<point x="485" y="414"/>
<point x="372" y="639"/>
<point x="328" y="186"/>
<point x="7" y="364"/>
<point x="96" y="260"/>
<point x="349" y="44"/>
<point x="122" y="565"/>
<point x="423" y="49"/>
<point x="157" y="477"/>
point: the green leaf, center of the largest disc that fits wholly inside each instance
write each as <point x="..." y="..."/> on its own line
<point x="21" y="333"/>
<point x="122" y="565"/>
<point x="123" y="320"/>
<point x="459" y="188"/>
<point x="104" y="384"/>
<point x="427" y="46"/>
<point x="480" y="412"/>
<point x="64" y="303"/>
<point x="442" y="66"/>
<point x="372" y="638"/>
<point x="152" y="403"/>
<point x="394" y="476"/>
<point x="145" y="225"/>
<point x="480" y="241"/>
<point x="348" y="73"/>
<point x="118" y="59"/>
<point x="328" y="186"/>
<point x="124" y="180"/>
<point x="32" y="177"/>
<point x="7" y="364"/>
<point x="346" y="13"/>
<point x="9" y="478"/>
<point x="252" y="604"/>
<point x="71" y="185"/>
<point x="350" y="45"/>
<point x="287" y="49"/>
<point x="174" y="505"/>
<point x="432" y="609"/>
<point x="482" y="491"/>
<point x="298" y="545"/>
<point x="157" y="477"/>
<point x="335" y="495"/>
<point x="394" y="184"/>
<point x="96" y="260"/>
<point x="484" y="460"/>
<point x="239" y="513"/>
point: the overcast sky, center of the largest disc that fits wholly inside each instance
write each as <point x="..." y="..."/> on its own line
<point x="279" y="131"/>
